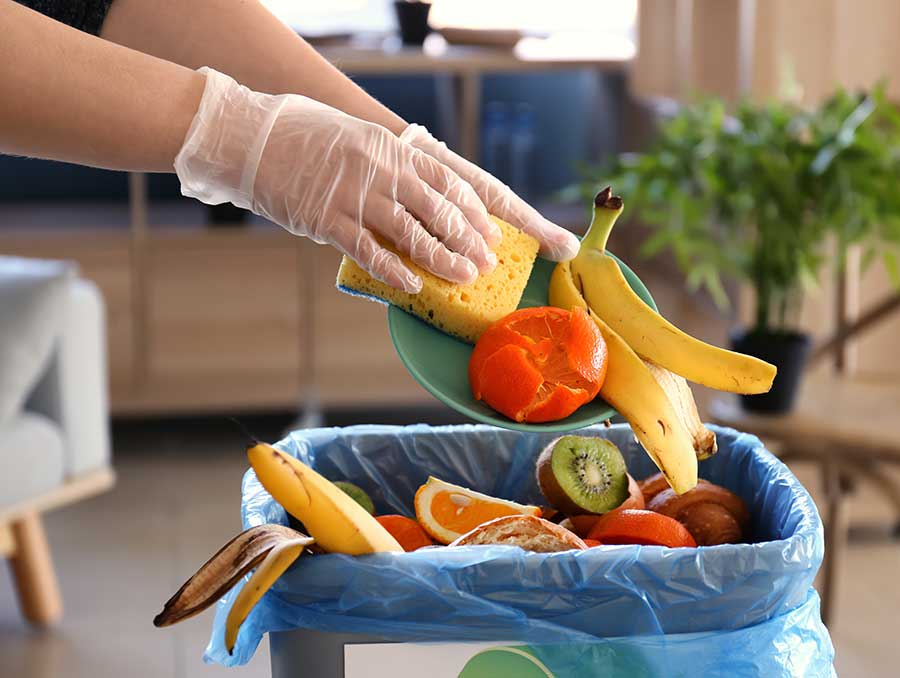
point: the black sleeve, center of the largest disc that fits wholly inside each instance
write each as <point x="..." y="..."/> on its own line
<point x="85" y="15"/>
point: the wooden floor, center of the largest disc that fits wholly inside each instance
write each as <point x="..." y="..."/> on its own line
<point x="121" y="555"/>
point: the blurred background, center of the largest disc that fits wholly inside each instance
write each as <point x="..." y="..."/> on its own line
<point x="756" y="142"/>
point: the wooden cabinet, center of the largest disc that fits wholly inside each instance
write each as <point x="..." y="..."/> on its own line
<point x="223" y="318"/>
<point x="227" y="319"/>
<point x="353" y="359"/>
<point x="222" y="308"/>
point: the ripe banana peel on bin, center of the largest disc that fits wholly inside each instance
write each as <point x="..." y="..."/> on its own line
<point x="277" y="560"/>
<point x="333" y="518"/>
<point x="337" y="522"/>
<point x="270" y="549"/>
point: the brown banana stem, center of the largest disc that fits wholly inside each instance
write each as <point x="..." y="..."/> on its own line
<point x="606" y="200"/>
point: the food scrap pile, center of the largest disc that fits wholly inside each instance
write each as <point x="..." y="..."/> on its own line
<point x="591" y="502"/>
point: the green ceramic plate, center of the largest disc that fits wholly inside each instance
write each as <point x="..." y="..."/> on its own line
<point x="440" y="363"/>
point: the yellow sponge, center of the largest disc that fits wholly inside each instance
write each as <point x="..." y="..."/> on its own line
<point x="465" y="311"/>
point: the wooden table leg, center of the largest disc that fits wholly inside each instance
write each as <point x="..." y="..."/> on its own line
<point x="7" y="545"/>
<point x="836" y="527"/>
<point x="32" y="568"/>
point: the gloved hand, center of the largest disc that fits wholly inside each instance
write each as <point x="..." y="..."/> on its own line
<point x="337" y="179"/>
<point x="557" y="243"/>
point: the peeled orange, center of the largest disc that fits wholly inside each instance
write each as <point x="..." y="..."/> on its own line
<point x="539" y="364"/>
<point x="448" y="511"/>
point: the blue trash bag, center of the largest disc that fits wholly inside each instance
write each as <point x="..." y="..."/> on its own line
<point x="657" y="599"/>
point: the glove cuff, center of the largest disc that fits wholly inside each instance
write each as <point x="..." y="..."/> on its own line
<point x="220" y="155"/>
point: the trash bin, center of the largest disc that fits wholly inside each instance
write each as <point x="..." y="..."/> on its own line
<point x="737" y="609"/>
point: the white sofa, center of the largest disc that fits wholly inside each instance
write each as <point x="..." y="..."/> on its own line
<point x="54" y="447"/>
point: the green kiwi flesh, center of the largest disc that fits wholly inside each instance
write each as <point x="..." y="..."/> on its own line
<point x="358" y="494"/>
<point x="582" y="475"/>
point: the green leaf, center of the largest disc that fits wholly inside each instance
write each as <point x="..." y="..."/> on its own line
<point x="656" y="243"/>
<point x="717" y="291"/>
<point x="756" y="194"/>
<point x="890" y="263"/>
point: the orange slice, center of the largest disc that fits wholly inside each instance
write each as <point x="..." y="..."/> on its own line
<point x="448" y="511"/>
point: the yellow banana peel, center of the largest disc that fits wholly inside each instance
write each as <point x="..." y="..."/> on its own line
<point x="333" y="518"/>
<point x="607" y="293"/>
<point x="269" y="549"/>
<point x="267" y="572"/>
<point x="634" y="392"/>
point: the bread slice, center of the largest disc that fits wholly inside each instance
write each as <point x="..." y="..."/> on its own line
<point x="464" y="311"/>
<point x="526" y="532"/>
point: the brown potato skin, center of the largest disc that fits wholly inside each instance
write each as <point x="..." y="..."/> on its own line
<point x="652" y="486"/>
<point x="711" y="524"/>
<point x="712" y="514"/>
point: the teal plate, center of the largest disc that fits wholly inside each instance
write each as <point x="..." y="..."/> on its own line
<point x="440" y="362"/>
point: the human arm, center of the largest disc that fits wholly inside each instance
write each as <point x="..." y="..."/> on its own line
<point x="74" y="97"/>
<point x="246" y="41"/>
<point x="309" y="167"/>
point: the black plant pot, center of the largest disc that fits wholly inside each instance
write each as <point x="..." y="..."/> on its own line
<point x="412" y="17"/>
<point x="788" y="351"/>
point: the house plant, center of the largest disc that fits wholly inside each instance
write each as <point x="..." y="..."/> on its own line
<point x="766" y="195"/>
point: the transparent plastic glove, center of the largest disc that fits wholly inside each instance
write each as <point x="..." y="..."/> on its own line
<point x="557" y="243"/>
<point x="336" y="179"/>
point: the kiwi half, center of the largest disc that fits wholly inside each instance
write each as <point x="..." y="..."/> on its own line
<point x="358" y="495"/>
<point x="582" y="475"/>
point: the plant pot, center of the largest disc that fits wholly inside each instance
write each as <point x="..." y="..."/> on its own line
<point x="412" y="18"/>
<point x="226" y="214"/>
<point x="788" y="351"/>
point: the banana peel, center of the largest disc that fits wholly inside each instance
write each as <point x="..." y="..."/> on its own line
<point x="631" y="388"/>
<point x="277" y="560"/>
<point x="268" y="549"/>
<point x="680" y="395"/>
<point x="337" y="523"/>
<point x="607" y="293"/>
<point x="332" y="517"/>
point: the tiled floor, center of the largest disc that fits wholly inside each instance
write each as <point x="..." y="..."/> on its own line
<point x="121" y="555"/>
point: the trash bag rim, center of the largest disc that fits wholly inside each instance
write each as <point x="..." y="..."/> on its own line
<point x="472" y="593"/>
<point x="803" y="538"/>
<point x="646" y="555"/>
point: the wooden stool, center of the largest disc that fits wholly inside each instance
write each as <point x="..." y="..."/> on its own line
<point x="848" y="426"/>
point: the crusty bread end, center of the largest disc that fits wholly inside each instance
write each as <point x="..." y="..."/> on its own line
<point x="527" y="532"/>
